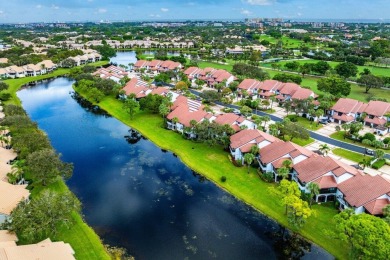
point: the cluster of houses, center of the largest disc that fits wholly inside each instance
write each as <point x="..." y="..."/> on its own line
<point x="374" y="113"/>
<point x="86" y="58"/>
<point x="45" y="249"/>
<point x="128" y="44"/>
<point x="112" y="72"/>
<point x="281" y="91"/>
<point x="28" y="70"/>
<point x="337" y="180"/>
<point x="157" y="66"/>
<point x="209" y="75"/>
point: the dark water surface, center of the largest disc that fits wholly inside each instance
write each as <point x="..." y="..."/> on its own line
<point x="144" y="199"/>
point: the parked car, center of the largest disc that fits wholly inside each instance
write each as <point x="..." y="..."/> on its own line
<point x="324" y="121"/>
<point x="237" y="112"/>
<point x="369" y="151"/>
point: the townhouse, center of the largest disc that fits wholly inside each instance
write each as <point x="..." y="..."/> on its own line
<point x="243" y="141"/>
<point x="45" y="249"/>
<point x="157" y="66"/>
<point x="112" y="72"/>
<point x="272" y="156"/>
<point x="375" y="113"/>
<point x="11" y="196"/>
<point x="236" y="122"/>
<point x="364" y="194"/>
<point x="327" y="172"/>
<point x="183" y="112"/>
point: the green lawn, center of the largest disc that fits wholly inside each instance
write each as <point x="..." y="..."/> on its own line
<point x="303" y="142"/>
<point x="247" y="187"/>
<point x="356" y="157"/>
<point x="378" y="71"/>
<point x="288" y="42"/>
<point x="306" y="123"/>
<point x="205" y="64"/>
<point x="84" y="241"/>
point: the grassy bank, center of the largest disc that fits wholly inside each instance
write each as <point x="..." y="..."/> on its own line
<point x="247" y="187"/>
<point x="84" y="241"/>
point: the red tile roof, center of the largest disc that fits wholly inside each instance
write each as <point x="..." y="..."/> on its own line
<point x="375" y="120"/>
<point x="278" y="150"/>
<point x="228" y="118"/>
<point x="326" y="182"/>
<point x="377" y="108"/>
<point x="289" y="88"/>
<point x="347" y="105"/>
<point x="317" y="166"/>
<point x="269" y="85"/>
<point x="249" y="84"/>
<point x="375" y="207"/>
<point x="363" y="189"/>
<point x="137" y="87"/>
<point x="302" y="93"/>
<point x="248" y="135"/>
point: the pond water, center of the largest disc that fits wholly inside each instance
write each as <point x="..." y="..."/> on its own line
<point x="144" y="199"/>
<point x="126" y="57"/>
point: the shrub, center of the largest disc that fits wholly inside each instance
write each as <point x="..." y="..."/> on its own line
<point x="369" y="136"/>
<point x="223" y="178"/>
<point x="267" y="176"/>
<point x="386" y="140"/>
<point x="293" y="118"/>
<point x="378" y="164"/>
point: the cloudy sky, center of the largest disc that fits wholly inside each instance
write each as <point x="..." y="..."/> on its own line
<point x="81" y="10"/>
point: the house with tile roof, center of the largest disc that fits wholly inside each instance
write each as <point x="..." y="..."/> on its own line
<point x="43" y="250"/>
<point x="243" y="141"/>
<point x="183" y="111"/>
<point x="364" y="193"/>
<point x="137" y="87"/>
<point x="347" y="110"/>
<point x="376" y="112"/>
<point x="10" y="197"/>
<point x="112" y="72"/>
<point x="235" y="121"/>
<point x="327" y="172"/>
<point x="272" y="156"/>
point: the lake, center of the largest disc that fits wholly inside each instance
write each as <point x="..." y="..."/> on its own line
<point x="144" y="199"/>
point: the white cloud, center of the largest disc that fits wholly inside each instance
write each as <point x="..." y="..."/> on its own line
<point x="55" y="7"/>
<point x="154" y="15"/>
<point x="102" y="10"/>
<point x="299" y="14"/>
<point x="245" y="12"/>
<point x="38" y="6"/>
<point x="259" y="2"/>
<point x="164" y="9"/>
<point x="1" y="12"/>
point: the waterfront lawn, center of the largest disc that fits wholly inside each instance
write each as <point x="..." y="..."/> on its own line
<point x="356" y="157"/>
<point x="213" y="163"/>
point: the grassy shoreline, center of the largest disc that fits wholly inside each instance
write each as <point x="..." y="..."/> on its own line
<point x="83" y="239"/>
<point x="246" y="187"/>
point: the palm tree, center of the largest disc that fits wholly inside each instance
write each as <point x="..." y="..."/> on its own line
<point x="365" y="163"/>
<point x="283" y="171"/>
<point x="324" y="149"/>
<point x="266" y="119"/>
<point x="255" y="150"/>
<point x="248" y="158"/>
<point x="314" y="189"/>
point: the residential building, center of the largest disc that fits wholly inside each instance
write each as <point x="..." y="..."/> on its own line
<point x="137" y="87"/>
<point x="235" y="121"/>
<point x="112" y="72"/>
<point x="10" y="197"/>
<point x="347" y="110"/>
<point x="272" y="156"/>
<point x="327" y="172"/>
<point x="364" y="193"/>
<point x="376" y="113"/>
<point x="243" y="141"/>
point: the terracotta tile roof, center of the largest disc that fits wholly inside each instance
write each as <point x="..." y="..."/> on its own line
<point x="317" y="166"/>
<point x="247" y="147"/>
<point x="279" y="163"/>
<point x="363" y="189"/>
<point x="11" y="196"/>
<point x="303" y="93"/>
<point x="289" y="88"/>
<point x="375" y="120"/>
<point x="278" y="150"/>
<point x="141" y="63"/>
<point x="137" y="87"/>
<point x="192" y="71"/>
<point x="162" y="91"/>
<point x="347" y="105"/>
<point x="326" y="182"/>
<point x="228" y="118"/>
<point x="375" y="207"/>
<point x="249" y="84"/>
<point x="269" y="85"/>
<point x="267" y="94"/>
<point x="250" y="135"/>
<point x="185" y="116"/>
<point x="344" y="117"/>
<point x="377" y="108"/>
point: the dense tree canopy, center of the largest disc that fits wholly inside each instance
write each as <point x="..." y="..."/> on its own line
<point x="334" y="85"/>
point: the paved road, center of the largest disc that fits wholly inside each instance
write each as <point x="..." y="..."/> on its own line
<point x="313" y="135"/>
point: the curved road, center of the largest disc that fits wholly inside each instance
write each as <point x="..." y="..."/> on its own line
<point x="313" y="135"/>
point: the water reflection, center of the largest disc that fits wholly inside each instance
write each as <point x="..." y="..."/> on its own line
<point x="140" y="197"/>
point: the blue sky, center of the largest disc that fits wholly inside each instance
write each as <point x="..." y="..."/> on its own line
<point x="81" y="10"/>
